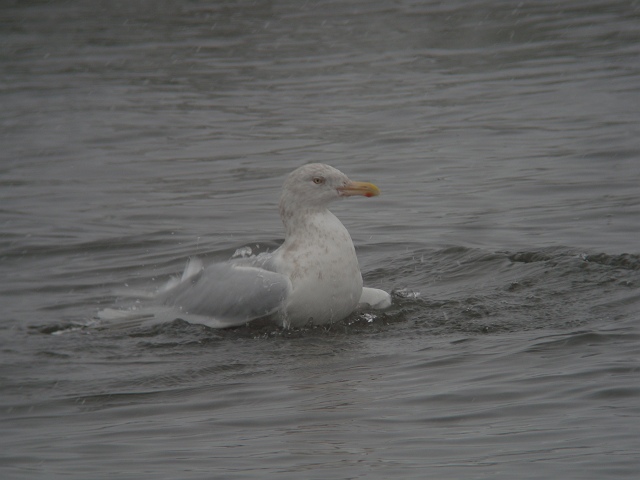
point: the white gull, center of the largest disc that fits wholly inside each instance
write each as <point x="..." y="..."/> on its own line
<point x="313" y="278"/>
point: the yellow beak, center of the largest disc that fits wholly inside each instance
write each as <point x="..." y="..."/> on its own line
<point x="359" y="188"/>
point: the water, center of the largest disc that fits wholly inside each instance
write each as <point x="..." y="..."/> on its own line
<point x="504" y="137"/>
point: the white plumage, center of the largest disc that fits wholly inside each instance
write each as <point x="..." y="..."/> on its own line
<point x="312" y="278"/>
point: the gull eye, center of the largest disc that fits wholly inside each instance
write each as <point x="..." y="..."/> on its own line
<point x="318" y="180"/>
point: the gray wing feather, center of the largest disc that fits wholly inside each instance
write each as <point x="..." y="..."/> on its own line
<point x="230" y="292"/>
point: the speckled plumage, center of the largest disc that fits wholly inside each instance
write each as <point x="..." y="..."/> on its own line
<point x="313" y="278"/>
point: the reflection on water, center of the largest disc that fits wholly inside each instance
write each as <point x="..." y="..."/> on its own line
<point x="504" y="138"/>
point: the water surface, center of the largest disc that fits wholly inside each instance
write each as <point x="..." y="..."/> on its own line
<point x="504" y="137"/>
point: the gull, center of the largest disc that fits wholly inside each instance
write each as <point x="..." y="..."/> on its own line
<point x="313" y="278"/>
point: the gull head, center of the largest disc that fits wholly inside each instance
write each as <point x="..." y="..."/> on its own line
<point x="315" y="185"/>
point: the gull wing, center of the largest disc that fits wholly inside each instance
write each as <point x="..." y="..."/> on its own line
<point x="229" y="293"/>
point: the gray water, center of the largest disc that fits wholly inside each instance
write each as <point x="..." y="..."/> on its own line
<point x="505" y="139"/>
